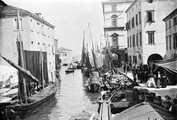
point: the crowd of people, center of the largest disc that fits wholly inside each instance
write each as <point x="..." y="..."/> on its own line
<point x="144" y="74"/>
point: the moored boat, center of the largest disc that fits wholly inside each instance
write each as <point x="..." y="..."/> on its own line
<point x="94" y="82"/>
<point x="145" y="111"/>
<point x="69" y="70"/>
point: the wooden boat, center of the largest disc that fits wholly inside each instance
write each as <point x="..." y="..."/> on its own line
<point x="65" y="64"/>
<point x="79" y="65"/>
<point x="69" y="70"/>
<point x="145" y="111"/>
<point x="94" y="82"/>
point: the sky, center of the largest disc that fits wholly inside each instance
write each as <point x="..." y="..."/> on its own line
<point x="70" y="18"/>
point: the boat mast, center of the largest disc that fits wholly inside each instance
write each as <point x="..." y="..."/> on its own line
<point x="93" y="50"/>
<point x="21" y="62"/>
<point x="83" y="51"/>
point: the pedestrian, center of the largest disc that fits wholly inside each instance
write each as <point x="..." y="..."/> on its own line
<point x="150" y="82"/>
<point x="134" y="73"/>
<point x="174" y="107"/>
<point x="167" y="103"/>
<point x="124" y="65"/>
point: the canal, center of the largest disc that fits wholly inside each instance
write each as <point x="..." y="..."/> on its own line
<point x="71" y="98"/>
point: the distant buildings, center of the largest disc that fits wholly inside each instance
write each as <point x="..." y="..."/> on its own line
<point x="146" y="30"/>
<point x="114" y="26"/>
<point x="65" y="55"/>
<point x="37" y="35"/>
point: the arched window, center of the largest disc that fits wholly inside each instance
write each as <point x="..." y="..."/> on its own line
<point x="114" y="20"/>
<point x="114" y="39"/>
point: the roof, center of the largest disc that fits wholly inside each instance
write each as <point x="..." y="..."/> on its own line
<point x="62" y="49"/>
<point x="117" y="1"/>
<point x="170" y="15"/>
<point x="8" y="10"/>
<point x="169" y="65"/>
<point x="131" y="6"/>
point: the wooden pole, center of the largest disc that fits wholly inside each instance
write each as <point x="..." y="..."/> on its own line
<point x="22" y="81"/>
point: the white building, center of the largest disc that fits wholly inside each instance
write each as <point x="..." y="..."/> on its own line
<point x="115" y="21"/>
<point x="65" y="55"/>
<point x="115" y="27"/>
<point x="36" y="34"/>
<point x="146" y="30"/>
<point x="171" y="34"/>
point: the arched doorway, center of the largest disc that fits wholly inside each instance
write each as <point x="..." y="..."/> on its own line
<point x="153" y="58"/>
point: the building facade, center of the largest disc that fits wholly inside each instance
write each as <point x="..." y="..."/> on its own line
<point x="65" y="55"/>
<point x="114" y="26"/>
<point x="146" y="30"/>
<point x="36" y="34"/>
<point x="171" y="34"/>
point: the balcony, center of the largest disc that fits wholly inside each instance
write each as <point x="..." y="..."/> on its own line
<point x="114" y="28"/>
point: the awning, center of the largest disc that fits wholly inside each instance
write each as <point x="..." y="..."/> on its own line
<point x="169" y="65"/>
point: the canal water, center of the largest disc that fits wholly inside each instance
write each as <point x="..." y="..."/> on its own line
<point x="70" y="99"/>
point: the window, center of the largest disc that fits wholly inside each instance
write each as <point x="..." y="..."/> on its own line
<point x="129" y="24"/>
<point x="133" y="40"/>
<point x="136" y="19"/>
<point x="130" y="58"/>
<point x="170" y="42"/>
<point x="169" y="24"/>
<point x="150" y="16"/>
<point x="140" y="38"/>
<point x="107" y="8"/>
<point x="175" y="41"/>
<point x="151" y="37"/>
<point x="133" y="22"/>
<point x="130" y="42"/>
<point x="114" y="22"/>
<point x="174" y="21"/>
<point x="139" y="17"/>
<point x="18" y="24"/>
<point x="134" y="59"/>
<point x="137" y="44"/>
<point x="38" y="27"/>
<point x="167" y="42"/>
<point x="166" y="27"/>
<point x="149" y="1"/>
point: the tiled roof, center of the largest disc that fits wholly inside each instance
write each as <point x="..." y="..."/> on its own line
<point x="9" y="10"/>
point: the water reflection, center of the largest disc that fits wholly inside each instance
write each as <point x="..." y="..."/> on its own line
<point x="71" y="98"/>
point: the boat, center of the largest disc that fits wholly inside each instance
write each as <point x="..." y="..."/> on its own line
<point x="145" y="111"/>
<point x="70" y="69"/>
<point x="65" y="64"/>
<point x="93" y="83"/>
<point x="79" y="66"/>
<point x="17" y="108"/>
<point x="85" y="60"/>
<point x="33" y="93"/>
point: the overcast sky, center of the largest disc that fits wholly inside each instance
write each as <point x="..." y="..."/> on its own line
<point x="70" y="18"/>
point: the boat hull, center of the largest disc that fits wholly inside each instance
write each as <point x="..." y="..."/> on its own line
<point x="94" y="87"/>
<point x="18" y="111"/>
